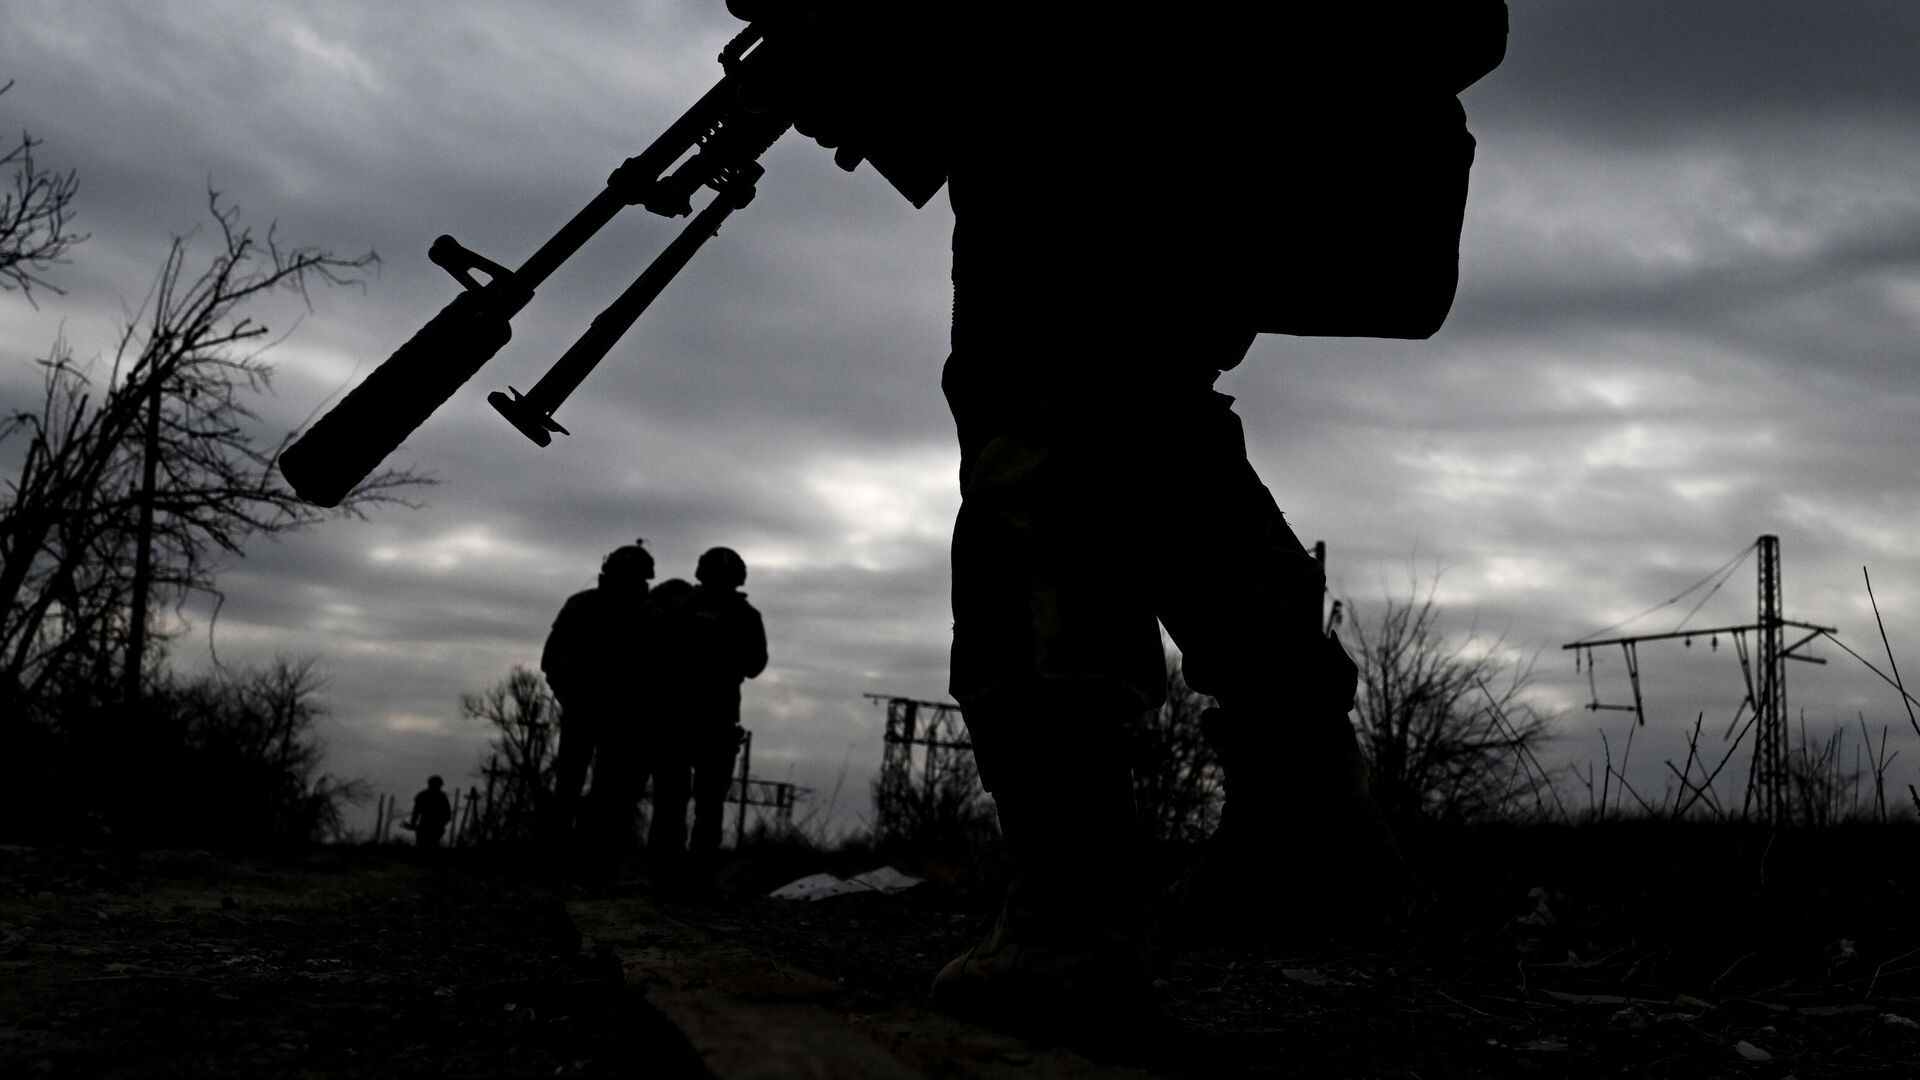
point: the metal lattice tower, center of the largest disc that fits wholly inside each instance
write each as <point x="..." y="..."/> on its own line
<point x="775" y="798"/>
<point x="936" y="729"/>
<point x="1770" y="699"/>
<point x="1769" y="784"/>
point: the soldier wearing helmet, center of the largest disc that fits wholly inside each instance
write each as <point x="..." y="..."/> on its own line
<point x="715" y="640"/>
<point x="599" y="641"/>
<point x="1326" y="183"/>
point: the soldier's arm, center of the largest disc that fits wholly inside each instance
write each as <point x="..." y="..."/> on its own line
<point x="556" y="657"/>
<point x="753" y="643"/>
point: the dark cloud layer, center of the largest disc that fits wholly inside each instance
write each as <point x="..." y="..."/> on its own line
<point x="1690" y="296"/>
<point x="1632" y="71"/>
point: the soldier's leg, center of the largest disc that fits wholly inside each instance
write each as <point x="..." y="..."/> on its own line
<point x="1070" y="942"/>
<point x="607" y="819"/>
<point x="1240" y="594"/>
<point x="579" y="728"/>
<point x="1245" y="609"/>
<point x="672" y="786"/>
<point x="1055" y="652"/>
<point x="712" y="772"/>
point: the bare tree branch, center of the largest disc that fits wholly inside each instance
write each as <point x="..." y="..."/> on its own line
<point x="1445" y="723"/>
<point x="36" y="218"/>
<point x="518" y="778"/>
<point x="1178" y="789"/>
<point x="73" y="518"/>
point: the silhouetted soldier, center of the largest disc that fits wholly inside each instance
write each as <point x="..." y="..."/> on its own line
<point x="597" y="660"/>
<point x="1135" y="198"/>
<point x="431" y="814"/>
<point x="668" y="594"/>
<point x="714" y="641"/>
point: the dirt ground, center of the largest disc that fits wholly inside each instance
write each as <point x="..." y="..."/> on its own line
<point x="1643" y="950"/>
<point x="342" y="963"/>
<point x="1647" y="952"/>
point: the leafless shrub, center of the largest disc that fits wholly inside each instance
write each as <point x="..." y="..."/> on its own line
<point x="1444" y="722"/>
<point x="1177" y="785"/>
<point x="516" y="783"/>
<point x="226" y="759"/>
<point x="1822" y="789"/>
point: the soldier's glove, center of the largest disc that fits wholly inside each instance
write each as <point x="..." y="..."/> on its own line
<point x="860" y="77"/>
<point x="811" y="86"/>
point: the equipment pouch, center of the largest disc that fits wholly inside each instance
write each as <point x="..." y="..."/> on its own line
<point x="1364" y="240"/>
<point x="1356" y="218"/>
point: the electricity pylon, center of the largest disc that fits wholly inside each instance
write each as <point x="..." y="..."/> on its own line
<point x="1768" y="782"/>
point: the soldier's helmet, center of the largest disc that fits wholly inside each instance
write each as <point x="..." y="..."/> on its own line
<point x="722" y="568"/>
<point x="435" y="782"/>
<point x="629" y="563"/>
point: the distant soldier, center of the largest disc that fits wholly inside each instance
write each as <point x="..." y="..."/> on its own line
<point x="714" y="640"/>
<point x="601" y="642"/>
<point x="668" y="594"/>
<point x="431" y="813"/>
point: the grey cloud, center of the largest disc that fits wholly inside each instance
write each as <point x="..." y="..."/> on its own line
<point x="1656" y="70"/>
<point x="1842" y="285"/>
<point x="1708" y="208"/>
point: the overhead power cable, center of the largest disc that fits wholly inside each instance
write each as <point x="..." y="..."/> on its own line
<point x="1723" y="571"/>
<point x="1738" y="562"/>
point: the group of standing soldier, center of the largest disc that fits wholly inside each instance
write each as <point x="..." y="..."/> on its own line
<point x="648" y="679"/>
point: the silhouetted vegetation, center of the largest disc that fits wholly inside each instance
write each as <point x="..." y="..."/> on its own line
<point x="1832" y="779"/>
<point x="133" y="478"/>
<point x="1444" y="722"/>
<point x="1177" y="785"/>
<point x="139" y="478"/>
<point x="228" y="759"/>
<point x="36" y="218"/>
<point x="938" y="807"/>
<point x="516" y="782"/>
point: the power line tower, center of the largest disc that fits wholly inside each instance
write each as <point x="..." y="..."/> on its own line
<point x="902" y="803"/>
<point x="1768" y="782"/>
<point x="775" y="798"/>
<point x="1769" y="775"/>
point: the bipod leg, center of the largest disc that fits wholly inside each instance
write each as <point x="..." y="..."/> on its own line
<point x="533" y="413"/>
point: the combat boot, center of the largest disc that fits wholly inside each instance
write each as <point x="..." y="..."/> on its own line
<point x="1303" y="851"/>
<point x="1068" y="949"/>
<point x="1049" y="965"/>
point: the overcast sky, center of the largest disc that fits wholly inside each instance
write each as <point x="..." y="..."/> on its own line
<point x="1688" y="316"/>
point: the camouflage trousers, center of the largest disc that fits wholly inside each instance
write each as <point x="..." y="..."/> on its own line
<point x="1087" y="522"/>
<point x="696" y="766"/>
